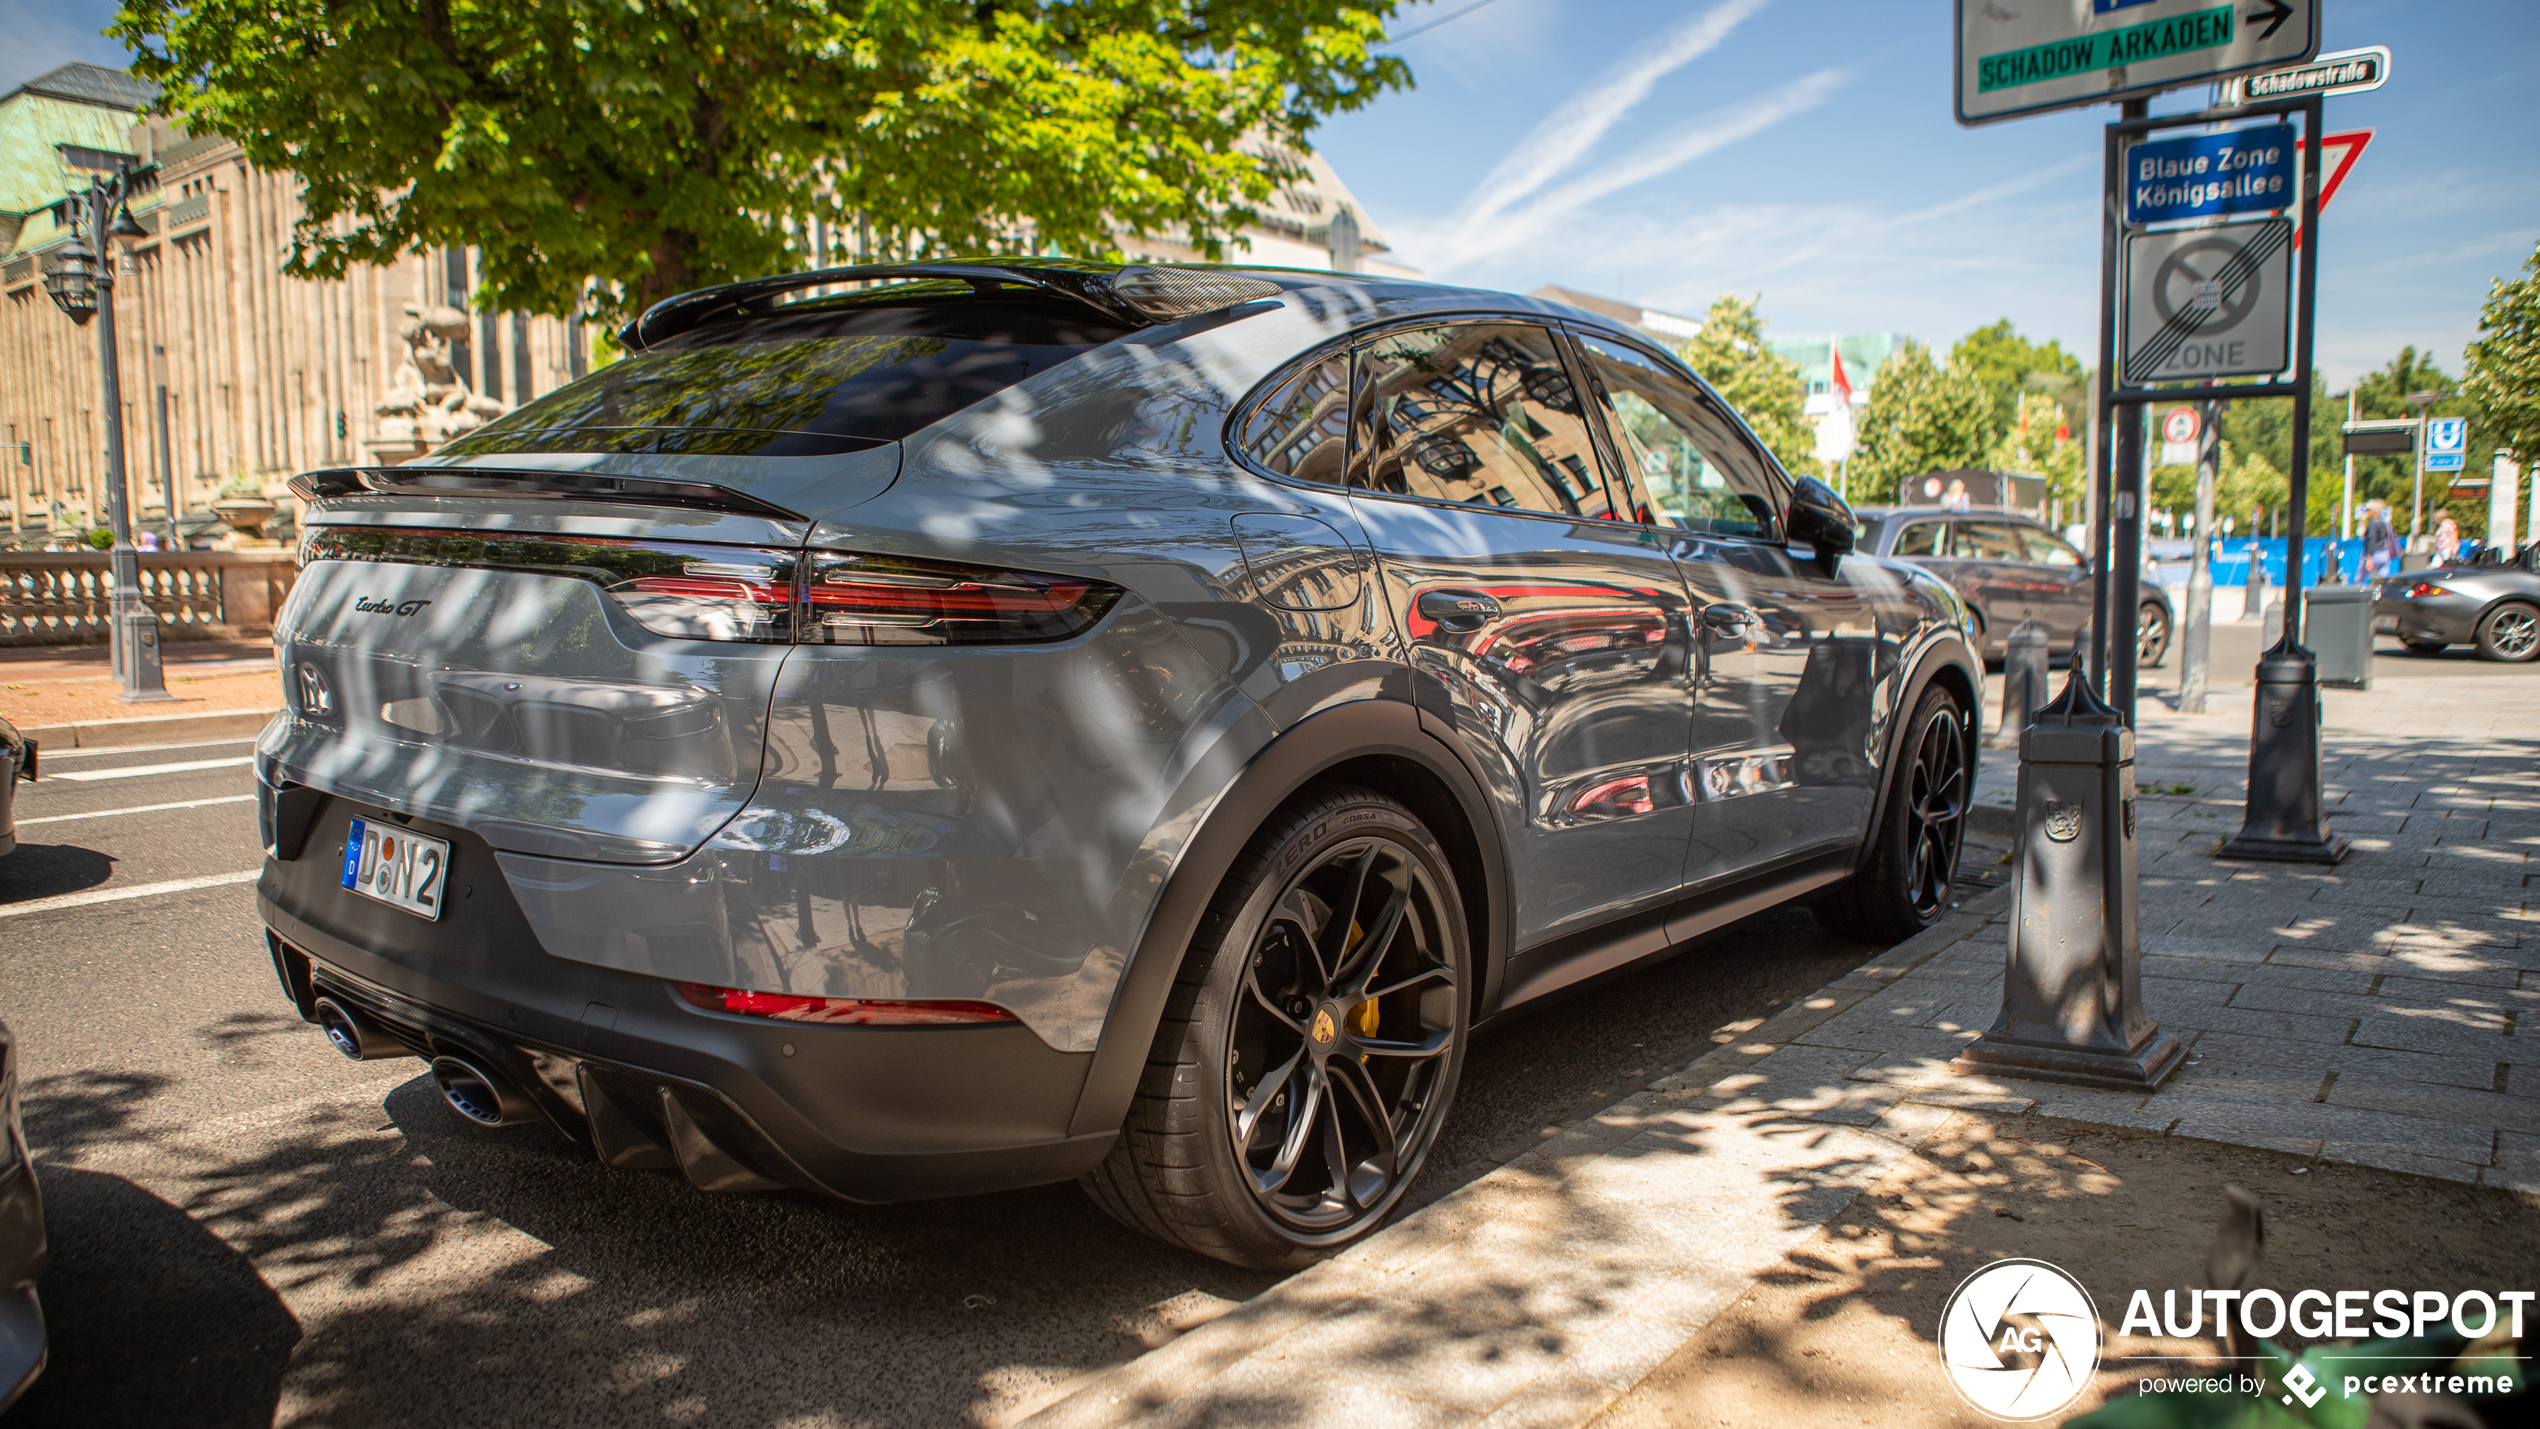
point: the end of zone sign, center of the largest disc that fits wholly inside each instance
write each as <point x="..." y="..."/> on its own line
<point x="2036" y="55"/>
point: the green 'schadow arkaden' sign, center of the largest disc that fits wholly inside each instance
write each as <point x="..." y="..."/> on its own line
<point x="2016" y="57"/>
<point x="2085" y="54"/>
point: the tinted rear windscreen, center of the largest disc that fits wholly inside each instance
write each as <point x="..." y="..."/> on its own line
<point x="814" y="378"/>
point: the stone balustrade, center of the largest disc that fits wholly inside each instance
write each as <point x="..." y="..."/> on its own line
<point x="62" y="597"/>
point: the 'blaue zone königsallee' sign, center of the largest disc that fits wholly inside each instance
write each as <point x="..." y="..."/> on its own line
<point x="2208" y="175"/>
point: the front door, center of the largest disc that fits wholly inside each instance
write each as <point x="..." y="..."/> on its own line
<point x="1551" y="634"/>
<point x="1790" y="667"/>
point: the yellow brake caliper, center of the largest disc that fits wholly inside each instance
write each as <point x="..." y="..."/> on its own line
<point x="1362" y="1018"/>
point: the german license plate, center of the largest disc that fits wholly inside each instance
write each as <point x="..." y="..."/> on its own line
<point x="399" y="867"/>
<point x="2387" y="624"/>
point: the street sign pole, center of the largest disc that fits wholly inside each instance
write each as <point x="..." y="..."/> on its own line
<point x="2285" y="818"/>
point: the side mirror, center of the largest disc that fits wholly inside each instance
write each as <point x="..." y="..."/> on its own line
<point x="1820" y="518"/>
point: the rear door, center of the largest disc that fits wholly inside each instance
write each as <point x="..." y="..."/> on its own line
<point x="1994" y="571"/>
<point x="1549" y="632"/>
<point x="1788" y="658"/>
<point x="2060" y="585"/>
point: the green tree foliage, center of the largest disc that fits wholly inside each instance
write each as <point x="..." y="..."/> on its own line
<point x="662" y="145"/>
<point x="1761" y="384"/>
<point x="2042" y="439"/>
<point x="2012" y="367"/>
<point x="1921" y="417"/>
<point x="2504" y="364"/>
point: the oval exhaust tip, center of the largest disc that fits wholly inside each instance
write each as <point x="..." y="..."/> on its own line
<point x="356" y="1038"/>
<point x="477" y="1094"/>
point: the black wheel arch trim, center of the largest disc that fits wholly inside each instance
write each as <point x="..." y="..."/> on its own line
<point x="1946" y="653"/>
<point x="1377" y="728"/>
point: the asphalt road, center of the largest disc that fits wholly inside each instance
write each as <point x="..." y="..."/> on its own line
<point x="247" y="1228"/>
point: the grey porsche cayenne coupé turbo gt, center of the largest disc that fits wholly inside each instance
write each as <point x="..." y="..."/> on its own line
<point x="913" y="730"/>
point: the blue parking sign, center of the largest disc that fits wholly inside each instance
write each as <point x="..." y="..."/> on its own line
<point x="2446" y="443"/>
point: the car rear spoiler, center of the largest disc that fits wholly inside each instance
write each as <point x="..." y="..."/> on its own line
<point x="581" y="485"/>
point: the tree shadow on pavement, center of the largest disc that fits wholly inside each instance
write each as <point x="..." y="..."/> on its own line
<point x="152" y="1319"/>
<point x="1845" y="1329"/>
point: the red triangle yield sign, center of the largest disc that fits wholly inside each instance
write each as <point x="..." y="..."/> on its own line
<point x="2338" y="153"/>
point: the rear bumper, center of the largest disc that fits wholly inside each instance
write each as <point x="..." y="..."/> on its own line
<point x="617" y="1063"/>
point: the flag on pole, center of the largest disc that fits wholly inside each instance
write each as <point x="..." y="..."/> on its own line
<point x="1835" y="435"/>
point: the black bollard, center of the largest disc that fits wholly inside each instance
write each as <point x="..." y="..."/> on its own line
<point x="2024" y="680"/>
<point x="2072" y="997"/>
<point x="2284" y="822"/>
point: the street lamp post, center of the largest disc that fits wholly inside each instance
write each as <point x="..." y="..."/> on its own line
<point x="82" y="284"/>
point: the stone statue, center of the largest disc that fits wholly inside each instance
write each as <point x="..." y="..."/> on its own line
<point x="429" y="401"/>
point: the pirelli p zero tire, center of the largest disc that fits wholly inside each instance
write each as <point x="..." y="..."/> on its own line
<point x="1904" y="886"/>
<point x="1311" y="1045"/>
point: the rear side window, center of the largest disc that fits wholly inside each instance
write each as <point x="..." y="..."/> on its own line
<point x="1923" y="538"/>
<point x="813" y="378"/>
<point x="2048" y="550"/>
<point x="1991" y="541"/>
<point x="1478" y="412"/>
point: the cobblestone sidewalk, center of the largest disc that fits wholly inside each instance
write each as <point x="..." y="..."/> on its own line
<point x="2371" y="1013"/>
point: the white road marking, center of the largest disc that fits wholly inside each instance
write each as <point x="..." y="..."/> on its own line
<point x="143" y="809"/>
<point x="93" y="751"/>
<point x="180" y="767"/>
<point x="117" y="895"/>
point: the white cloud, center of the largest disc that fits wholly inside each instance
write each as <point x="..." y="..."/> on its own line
<point x="1466" y="242"/>
<point x="1594" y="108"/>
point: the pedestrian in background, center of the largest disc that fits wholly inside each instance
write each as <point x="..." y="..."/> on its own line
<point x="2381" y="544"/>
<point x="2447" y="537"/>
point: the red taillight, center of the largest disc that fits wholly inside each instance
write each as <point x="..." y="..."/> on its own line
<point x="757" y="595"/>
<point x="839" y="1011"/>
<point x="890" y="600"/>
<point x="2426" y="588"/>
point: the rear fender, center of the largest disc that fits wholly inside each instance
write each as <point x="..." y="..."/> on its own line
<point x="1380" y="730"/>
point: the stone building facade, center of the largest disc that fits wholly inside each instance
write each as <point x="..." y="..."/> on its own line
<point x="235" y="377"/>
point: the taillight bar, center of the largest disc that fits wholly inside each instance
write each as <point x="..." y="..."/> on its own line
<point x="839" y="1011"/>
<point x="758" y="595"/>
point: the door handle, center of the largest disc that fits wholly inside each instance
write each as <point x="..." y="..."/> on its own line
<point x="1457" y="611"/>
<point x="1729" y="618"/>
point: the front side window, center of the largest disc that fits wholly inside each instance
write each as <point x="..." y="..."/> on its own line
<point x="1301" y="430"/>
<point x="1483" y="413"/>
<point x="1700" y="472"/>
<point x="1923" y="538"/>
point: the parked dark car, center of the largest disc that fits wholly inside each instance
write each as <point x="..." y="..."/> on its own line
<point x="2009" y="568"/>
<point x="2493" y="607"/>
<point x="1025" y="720"/>
<point x="22" y="1243"/>
<point x="17" y="761"/>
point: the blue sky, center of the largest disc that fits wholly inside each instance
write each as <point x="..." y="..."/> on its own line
<point x="1665" y="151"/>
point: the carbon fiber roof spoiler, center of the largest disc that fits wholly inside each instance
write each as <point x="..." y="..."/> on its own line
<point x="490" y="481"/>
<point x="1140" y="294"/>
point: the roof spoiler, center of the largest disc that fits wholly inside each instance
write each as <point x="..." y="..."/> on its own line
<point x="1140" y="293"/>
<point x="582" y="485"/>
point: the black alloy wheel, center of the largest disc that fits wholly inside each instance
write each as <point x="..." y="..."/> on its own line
<point x="1311" y="1046"/>
<point x="1904" y="886"/>
<point x="1331" y="1067"/>
<point x="2151" y="635"/>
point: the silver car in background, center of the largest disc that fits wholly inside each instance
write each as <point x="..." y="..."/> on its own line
<point x="906" y="731"/>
